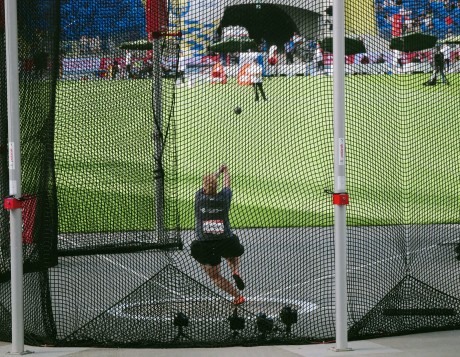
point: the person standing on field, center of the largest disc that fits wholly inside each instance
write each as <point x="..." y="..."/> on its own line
<point x="319" y="59"/>
<point x="438" y="68"/>
<point x="255" y="71"/>
<point x="128" y="63"/>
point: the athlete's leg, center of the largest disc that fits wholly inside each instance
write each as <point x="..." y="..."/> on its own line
<point x="254" y="85"/>
<point x="214" y="272"/>
<point x="234" y="264"/>
<point x="261" y="88"/>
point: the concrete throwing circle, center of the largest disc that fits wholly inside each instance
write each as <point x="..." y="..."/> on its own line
<point x="199" y="309"/>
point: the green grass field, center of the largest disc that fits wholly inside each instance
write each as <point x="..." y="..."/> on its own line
<point x="402" y="148"/>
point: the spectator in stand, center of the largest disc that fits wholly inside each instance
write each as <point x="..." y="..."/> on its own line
<point x="449" y="20"/>
<point x="387" y="19"/>
<point x="407" y="24"/>
<point x="426" y="20"/>
<point x="416" y="24"/>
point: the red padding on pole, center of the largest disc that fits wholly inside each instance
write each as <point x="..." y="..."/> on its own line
<point x="11" y="203"/>
<point x="28" y="203"/>
<point x="340" y="198"/>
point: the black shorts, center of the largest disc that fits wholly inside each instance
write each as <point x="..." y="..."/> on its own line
<point x="210" y="252"/>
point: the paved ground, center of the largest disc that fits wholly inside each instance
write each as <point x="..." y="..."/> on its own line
<point x="117" y="298"/>
<point x="435" y="344"/>
<point x="280" y="266"/>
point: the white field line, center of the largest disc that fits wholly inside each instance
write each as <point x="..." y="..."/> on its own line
<point x="330" y="276"/>
<point x="133" y="272"/>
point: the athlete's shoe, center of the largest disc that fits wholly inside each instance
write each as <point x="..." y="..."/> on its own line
<point x="238" y="281"/>
<point x="239" y="300"/>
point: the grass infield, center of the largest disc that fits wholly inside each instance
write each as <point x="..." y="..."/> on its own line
<point x="402" y="148"/>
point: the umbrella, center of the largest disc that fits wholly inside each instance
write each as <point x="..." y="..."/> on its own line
<point x="452" y="40"/>
<point x="413" y="42"/>
<point x="139" y="45"/>
<point x="352" y="46"/>
<point x="234" y="44"/>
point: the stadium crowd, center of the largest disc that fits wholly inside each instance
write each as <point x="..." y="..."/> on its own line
<point x="439" y="18"/>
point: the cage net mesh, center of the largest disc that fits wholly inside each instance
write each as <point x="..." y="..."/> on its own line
<point x="126" y="105"/>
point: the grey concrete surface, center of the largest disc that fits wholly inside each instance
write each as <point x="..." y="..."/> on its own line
<point x="439" y="344"/>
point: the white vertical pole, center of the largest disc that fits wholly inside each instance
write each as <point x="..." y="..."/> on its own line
<point x="14" y="166"/>
<point x="340" y="235"/>
<point x="157" y="107"/>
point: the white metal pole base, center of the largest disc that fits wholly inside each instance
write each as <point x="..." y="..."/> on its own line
<point x="19" y="353"/>
<point x="335" y="349"/>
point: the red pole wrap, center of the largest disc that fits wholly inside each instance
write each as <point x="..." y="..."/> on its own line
<point x="156" y="14"/>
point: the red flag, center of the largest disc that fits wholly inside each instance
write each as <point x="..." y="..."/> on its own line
<point x="156" y="15"/>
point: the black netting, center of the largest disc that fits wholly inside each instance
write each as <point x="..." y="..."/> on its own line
<point x="113" y="191"/>
<point x="38" y="48"/>
<point x="131" y="112"/>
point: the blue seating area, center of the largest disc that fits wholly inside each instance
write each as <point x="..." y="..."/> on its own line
<point x="445" y="20"/>
<point x="124" y="19"/>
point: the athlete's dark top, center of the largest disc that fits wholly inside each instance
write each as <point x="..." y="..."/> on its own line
<point x="439" y="60"/>
<point x="211" y="215"/>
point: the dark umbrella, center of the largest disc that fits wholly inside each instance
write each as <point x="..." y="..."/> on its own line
<point x="139" y="45"/>
<point x="352" y="46"/>
<point x="413" y="42"/>
<point x="234" y="44"/>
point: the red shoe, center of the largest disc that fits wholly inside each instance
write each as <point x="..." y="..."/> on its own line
<point x="239" y="300"/>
